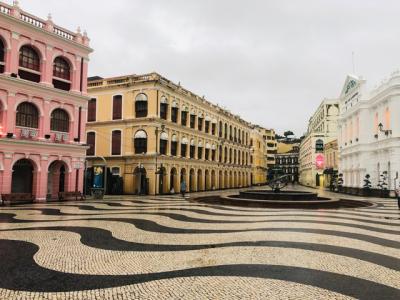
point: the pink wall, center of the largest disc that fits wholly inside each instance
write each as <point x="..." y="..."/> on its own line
<point x="49" y="41"/>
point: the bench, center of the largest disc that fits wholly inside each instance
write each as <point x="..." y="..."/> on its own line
<point x="62" y="196"/>
<point x="17" y="198"/>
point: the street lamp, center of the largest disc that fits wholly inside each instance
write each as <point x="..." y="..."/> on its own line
<point x="156" y="170"/>
<point x="386" y="131"/>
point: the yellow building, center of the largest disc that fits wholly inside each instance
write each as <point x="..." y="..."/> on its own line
<point x="258" y="158"/>
<point x="154" y="134"/>
<point x="271" y="147"/>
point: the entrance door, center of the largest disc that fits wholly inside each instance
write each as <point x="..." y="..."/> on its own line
<point x="22" y="177"/>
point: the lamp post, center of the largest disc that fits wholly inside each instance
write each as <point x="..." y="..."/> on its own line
<point x="156" y="170"/>
<point x="385" y="131"/>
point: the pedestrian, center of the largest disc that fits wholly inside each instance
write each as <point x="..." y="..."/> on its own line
<point x="397" y="192"/>
<point x="183" y="188"/>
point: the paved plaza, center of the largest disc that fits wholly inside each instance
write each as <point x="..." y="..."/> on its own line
<point x="173" y="248"/>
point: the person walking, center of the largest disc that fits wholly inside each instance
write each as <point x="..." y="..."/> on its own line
<point x="183" y="188"/>
<point x="397" y="192"/>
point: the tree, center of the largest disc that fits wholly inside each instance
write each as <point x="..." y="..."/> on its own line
<point x="367" y="182"/>
<point x="288" y="133"/>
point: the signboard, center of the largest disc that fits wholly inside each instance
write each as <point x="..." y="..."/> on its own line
<point x="319" y="145"/>
<point x="319" y="161"/>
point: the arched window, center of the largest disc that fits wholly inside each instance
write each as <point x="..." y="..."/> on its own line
<point x="200" y="150"/>
<point x="234" y="135"/>
<point x="117" y="107"/>
<point x="174" y="145"/>
<point x="163" y="143"/>
<point x="91" y="112"/>
<point x="61" y="74"/>
<point x="27" y="115"/>
<point x="163" y="107"/>
<point x="226" y="131"/>
<point x="213" y="149"/>
<point x="192" y="118"/>
<point x="192" y="148"/>
<point x="184" y="144"/>
<point x="59" y="120"/>
<point x="220" y="129"/>
<point x="174" y="112"/>
<point x="140" y="141"/>
<point x="225" y="155"/>
<point x="2" y="54"/>
<point x="141" y="106"/>
<point x="207" y="124"/>
<point x="208" y="149"/>
<point x="184" y="115"/>
<point x="230" y="133"/>
<point x="116" y="142"/>
<point x="91" y="141"/>
<point x="200" y="119"/>
<point x="29" y="64"/>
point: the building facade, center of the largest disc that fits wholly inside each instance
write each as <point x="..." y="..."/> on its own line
<point x="43" y="103"/>
<point x="331" y="154"/>
<point x="322" y="128"/>
<point x="369" y="138"/>
<point x="154" y="134"/>
<point x="287" y="159"/>
<point x="258" y="158"/>
<point x="271" y="147"/>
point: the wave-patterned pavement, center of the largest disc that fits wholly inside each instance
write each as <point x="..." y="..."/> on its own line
<point x="172" y="248"/>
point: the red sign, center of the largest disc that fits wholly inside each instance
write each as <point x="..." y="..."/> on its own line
<point x="319" y="161"/>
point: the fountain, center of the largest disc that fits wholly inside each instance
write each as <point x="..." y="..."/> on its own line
<point x="281" y="199"/>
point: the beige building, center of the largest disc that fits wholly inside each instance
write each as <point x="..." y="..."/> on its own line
<point x="258" y="158"/>
<point x="154" y="134"/>
<point x="322" y="128"/>
<point x="331" y="154"/>
<point x="271" y="147"/>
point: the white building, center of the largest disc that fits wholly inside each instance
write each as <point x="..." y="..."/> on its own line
<point x="322" y="128"/>
<point x="369" y="133"/>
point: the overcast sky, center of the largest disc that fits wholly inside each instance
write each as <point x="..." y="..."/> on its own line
<point x="271" y="62"/>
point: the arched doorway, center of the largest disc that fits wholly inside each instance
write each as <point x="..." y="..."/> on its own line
<point x="226" y="180"/>
<point x="161" y="173"/>
<point x="200" y="180"/>
<point x="213" y="180"/>
<point x="57" y="179"/>
<point x="183" y="177"/>
<point x="232" y="181"/>
<point x="173" y="181"/>
<point x="192" y="186"/>
<point x="141" y="181"/>
<point x="22" y="177"/>
<point x="221" y="180"/>
<point x="208" y="183"/>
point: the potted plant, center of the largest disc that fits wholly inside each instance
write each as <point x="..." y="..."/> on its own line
<point x="367" y="185"/>
<point x="340" y="182"/>
<point x="382" y="184"/>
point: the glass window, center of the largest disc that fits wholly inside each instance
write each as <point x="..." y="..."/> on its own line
<point x="29" y="59"/>
<point x="59" y="120"/>
<point x="27" y="115"/>
<point x="61" y="68"/>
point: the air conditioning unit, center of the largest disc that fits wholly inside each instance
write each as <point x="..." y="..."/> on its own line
<point x="58" y="137"/>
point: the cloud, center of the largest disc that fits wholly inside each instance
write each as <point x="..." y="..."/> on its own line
<point x="272" y="62"/>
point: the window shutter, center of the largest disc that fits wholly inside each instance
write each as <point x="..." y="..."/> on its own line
<point x="116" y="143"/>
<point x="92" y="110"/>
<point x="91" y="141"/>
<point x="117" y="107"/>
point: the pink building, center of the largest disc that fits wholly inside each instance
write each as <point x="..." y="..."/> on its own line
<point x="43" y="104"/>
